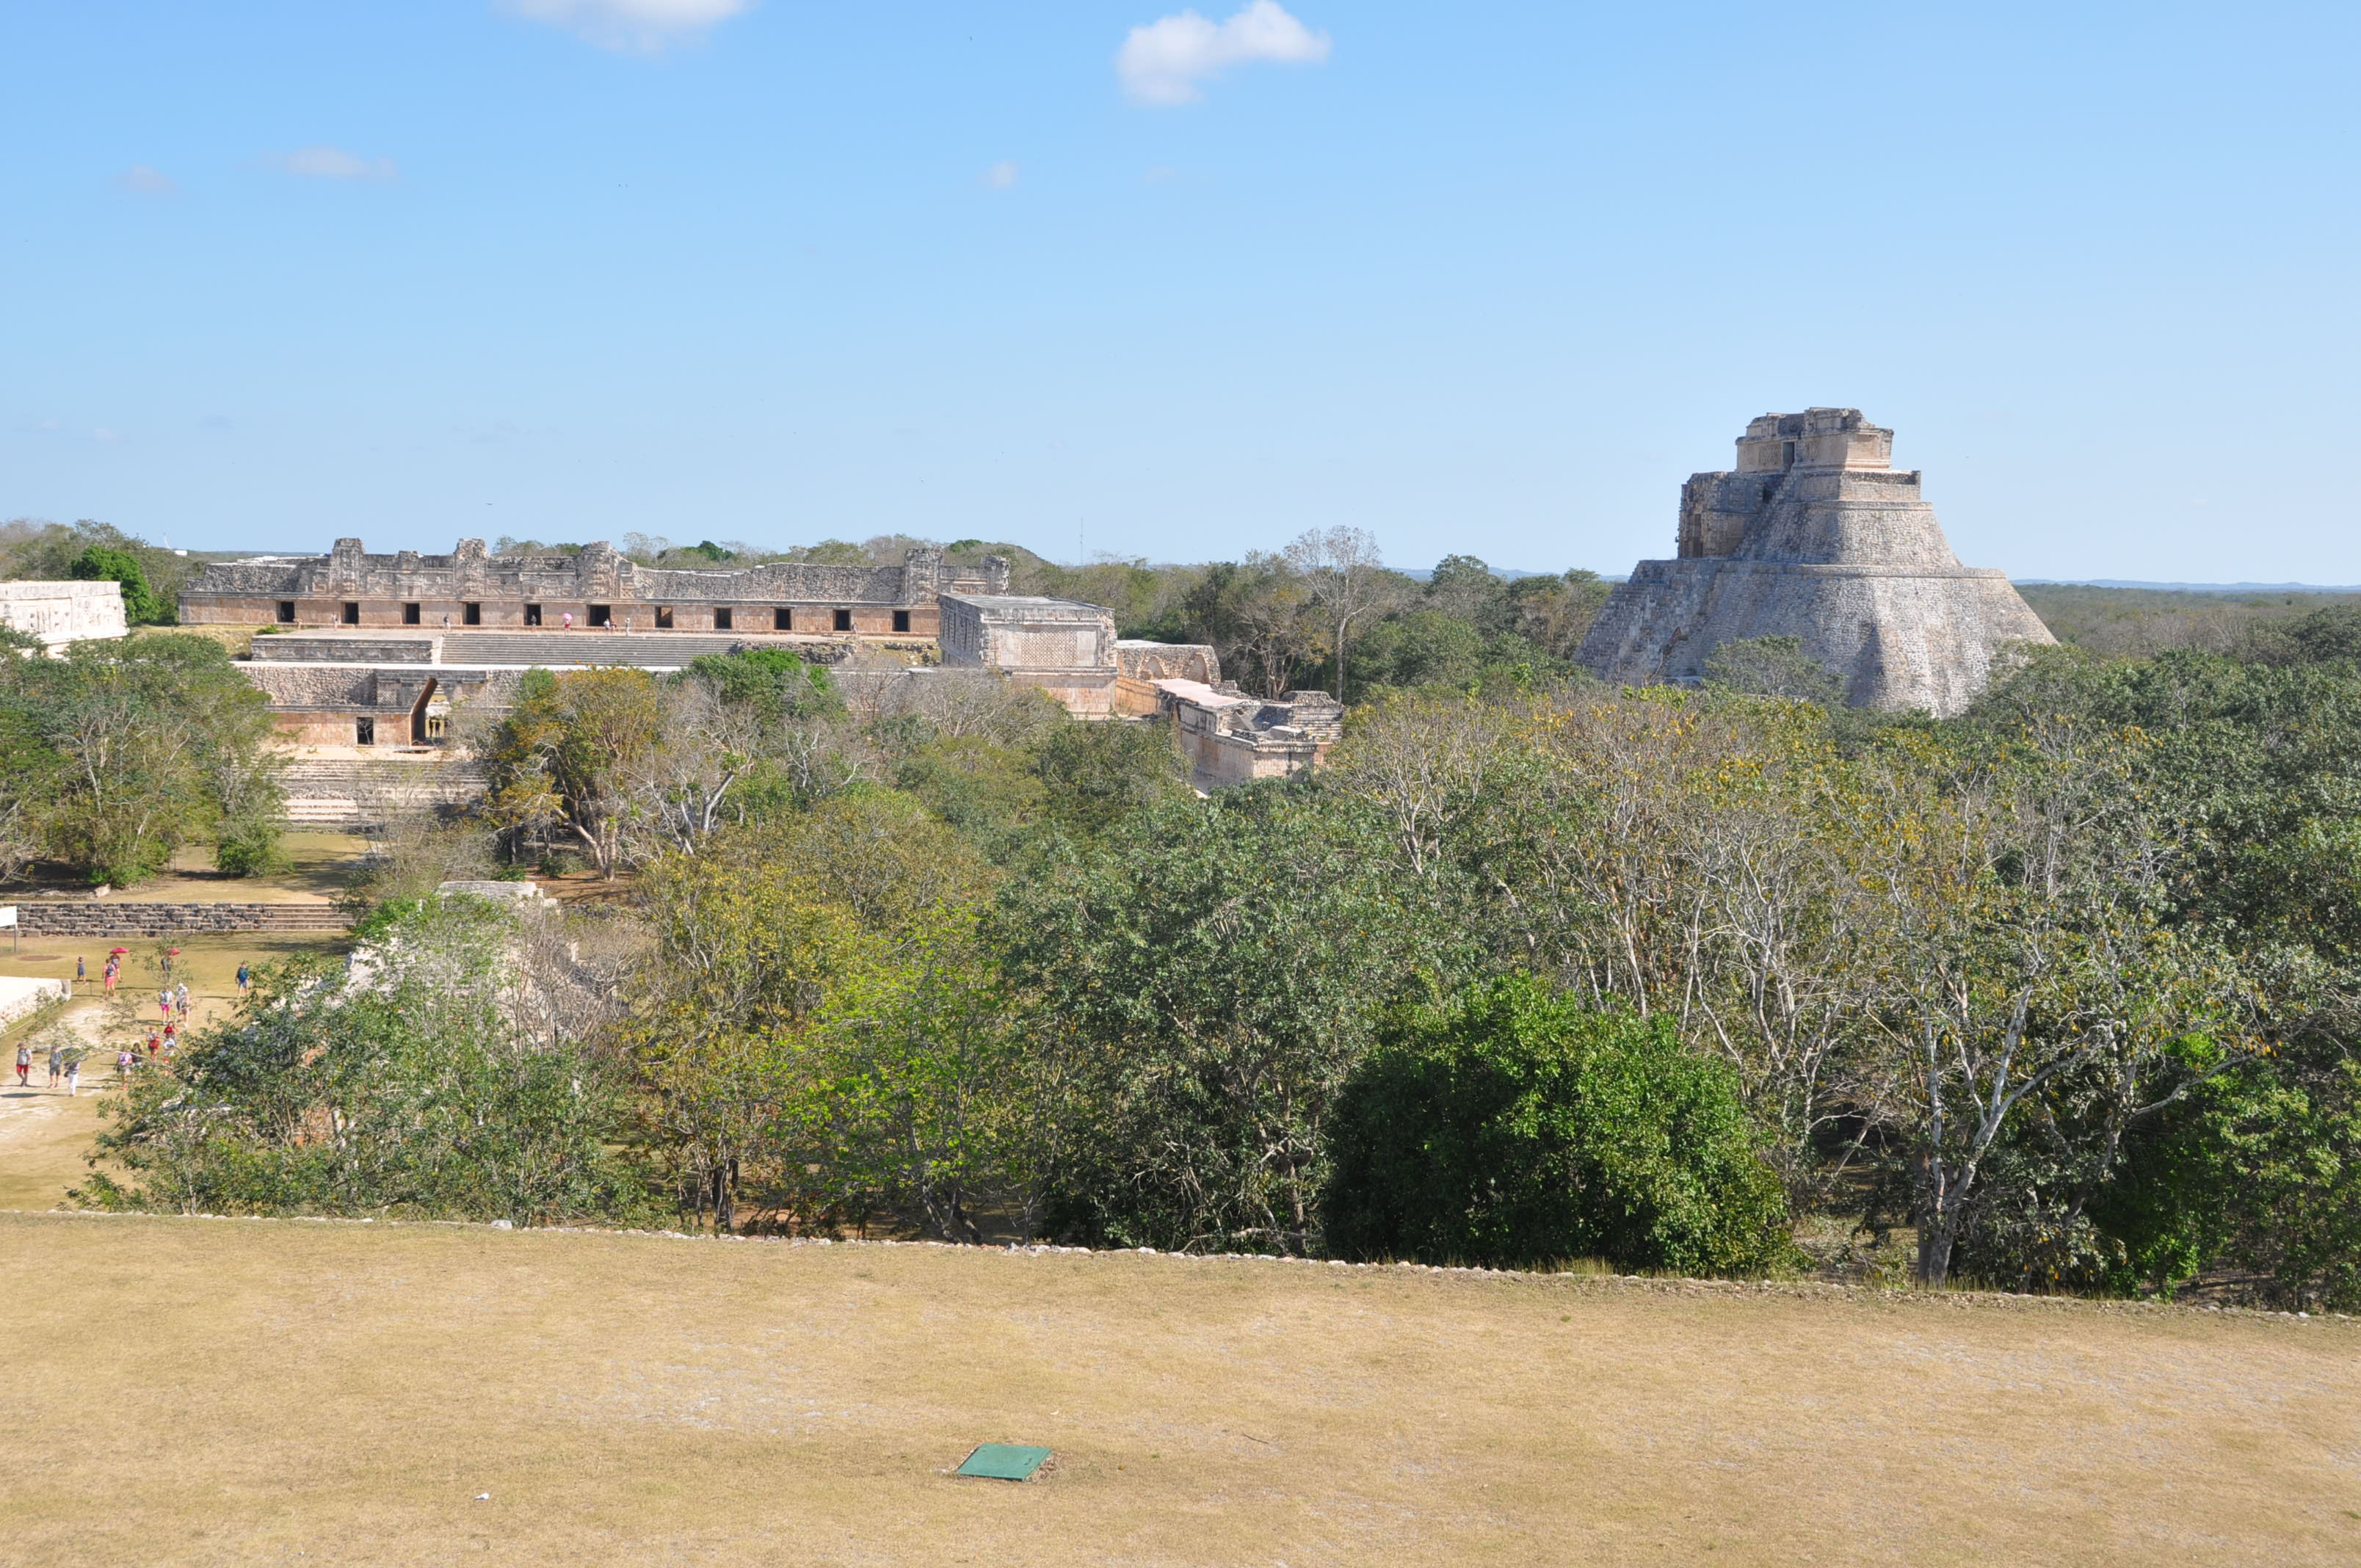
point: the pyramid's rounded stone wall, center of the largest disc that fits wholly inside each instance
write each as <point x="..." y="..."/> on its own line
<point x="1831" y="548"/>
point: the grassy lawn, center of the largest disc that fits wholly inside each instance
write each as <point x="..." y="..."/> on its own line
<point x="283" y="1391"/>
<point x="320" y="863"/>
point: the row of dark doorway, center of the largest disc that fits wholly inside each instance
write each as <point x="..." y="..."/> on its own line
<point x="597" y="615"/>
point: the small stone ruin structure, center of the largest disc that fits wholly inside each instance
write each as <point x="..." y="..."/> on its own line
<point x="596" y="588"/>
<point x="1068" y="649"/>
<point x="1815" y="536"/>
<point x="1063" y="646"/>
<point x="62" y="613"/>
<point x="1230" y="739"/>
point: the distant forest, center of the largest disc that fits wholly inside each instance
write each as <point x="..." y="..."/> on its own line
<point x="2137" y="623"/>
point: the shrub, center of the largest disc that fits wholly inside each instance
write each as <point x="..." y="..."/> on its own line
<point x="1510" y="1126"/>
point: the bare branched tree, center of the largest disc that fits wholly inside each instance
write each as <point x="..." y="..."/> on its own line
<point x="1349" y="580"/>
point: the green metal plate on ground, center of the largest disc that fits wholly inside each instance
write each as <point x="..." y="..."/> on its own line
<point x="1005" y="1462"/>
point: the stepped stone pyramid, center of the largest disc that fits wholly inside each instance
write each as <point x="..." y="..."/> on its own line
<point x="1815" y="536"/>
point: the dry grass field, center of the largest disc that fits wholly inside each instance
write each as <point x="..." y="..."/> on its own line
<point x="319" y="864"/>
<point x="217" y="1391"/>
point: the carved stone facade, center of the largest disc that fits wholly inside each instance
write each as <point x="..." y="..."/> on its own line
<point x="372" y="704"/>
<point x="597" y="587"/>
<point x="62" y="613"/>
<point x="1813" y="536"/>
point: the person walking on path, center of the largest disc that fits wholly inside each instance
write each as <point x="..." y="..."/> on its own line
<point x="24" y="1066"/>
<point x="245" y="980"/>
<point x="56" y="1064"/>
<point x="81" y="973"/>
<point x="108" y="973"/>
<point x="181" y="996"/>
<point x="122" y="1060"/>
<point x="164" y="1003"/>
<point x="73" y="1073"/>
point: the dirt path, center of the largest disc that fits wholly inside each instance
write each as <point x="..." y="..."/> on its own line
<point x="44" y="1134"/>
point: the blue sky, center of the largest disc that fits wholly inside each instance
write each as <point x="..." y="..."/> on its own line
<point x="1481" y="277"/>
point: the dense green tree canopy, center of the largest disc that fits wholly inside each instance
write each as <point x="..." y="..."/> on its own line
<point x="103" y="564"/>
<point x="122" y="750"/>
<point x="1512" y="1127"/>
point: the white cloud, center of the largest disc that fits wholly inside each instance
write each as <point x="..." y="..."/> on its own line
<point x="1164" y="61"/>
<point x="633" y="27"/>
<point x="1000" y="176"/>
<point x="335" y="163"/>
<point x="143" y="181"/>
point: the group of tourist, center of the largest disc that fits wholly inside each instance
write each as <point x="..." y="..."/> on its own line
<point x="173" y="1004"/>
<point x="64" y="1064"/>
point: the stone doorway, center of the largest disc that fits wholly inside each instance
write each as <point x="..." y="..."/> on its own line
<point x="418" y="736"/>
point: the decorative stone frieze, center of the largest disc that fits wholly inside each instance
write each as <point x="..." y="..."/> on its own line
<point x="597" y="587"/>
<point x="62" y="613"/>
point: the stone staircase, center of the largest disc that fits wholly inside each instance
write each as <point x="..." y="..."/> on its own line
<point x="330" y="792"/>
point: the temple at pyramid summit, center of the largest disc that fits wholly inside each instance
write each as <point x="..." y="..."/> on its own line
<point x="1815" y="536"/>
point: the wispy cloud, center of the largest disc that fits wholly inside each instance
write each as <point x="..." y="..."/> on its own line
<point x="1166" y="61"/>
<point x="326" y="162"/>
<point x="633" y="27"/>
<point x="1000" y="176"/>
<point x="142" y="180"/>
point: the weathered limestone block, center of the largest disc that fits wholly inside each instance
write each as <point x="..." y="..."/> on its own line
<point x="62" y="613"/>
<point x="1813" y="537"/>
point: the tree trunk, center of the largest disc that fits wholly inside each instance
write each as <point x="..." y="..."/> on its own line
<point x="1936" y="1239"/>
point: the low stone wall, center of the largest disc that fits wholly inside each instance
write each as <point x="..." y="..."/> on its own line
<point x="113" y="917"/>
<point x="18" y="997"/>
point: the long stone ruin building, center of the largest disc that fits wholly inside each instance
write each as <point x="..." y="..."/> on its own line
<point x="364" y="657"/>
<point x="596" y="588"/>
<point x="1815" y="536"/>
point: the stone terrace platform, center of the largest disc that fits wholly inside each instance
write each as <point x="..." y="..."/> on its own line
<point x="547" y="650"/>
